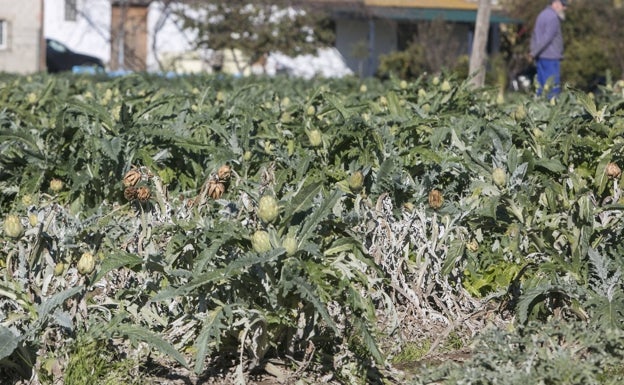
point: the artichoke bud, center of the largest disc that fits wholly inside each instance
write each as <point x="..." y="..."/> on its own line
<point x="315" y="138"/>
<point x="33" y="219"/>
<point x="519" y="113"/>
<point x="56" y="185"/>
<point x="13" y="226"/>
<point x="27" y="200"/>
<point x="613" y="170"/>
<point x="290" y="244"/>
<point x="472" y="246"/>
<point x="290" y="147"/>
<point x="311" y="111"/>
<point x="247" y="156"/>
<point x="499" y="177"/>
<point x="356" y="181"/>
<point x="59" y="268"/>
<point x="261" y="242"/>
<point x="131" y="178"/>
<point x="445" y="86"/>
<point x="86" y="263"/>
<point x="268" y="209"/>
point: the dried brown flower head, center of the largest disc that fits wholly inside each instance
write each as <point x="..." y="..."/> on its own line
<point x="224" y="173"/>
<point x="130" y="193"/>
<point x="132" y="177"/>
<point x="613" y="170"/>
<point x="435" y="199"/>
<point x="215" y="189"/>
<point x="143" y="193"/>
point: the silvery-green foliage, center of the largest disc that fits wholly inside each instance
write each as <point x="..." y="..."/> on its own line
<point x="606" y="300"/>
<point x="43" y="305"/>
<point x="372" y="268"/>
<point x="558" y="353"/>
<point x="421" y="254"/>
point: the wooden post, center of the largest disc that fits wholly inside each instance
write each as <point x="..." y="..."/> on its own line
<point x="479" y="44"/>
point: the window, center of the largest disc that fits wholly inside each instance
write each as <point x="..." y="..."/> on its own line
<point x="3" y="34"/>
<point x="71" y="11"/>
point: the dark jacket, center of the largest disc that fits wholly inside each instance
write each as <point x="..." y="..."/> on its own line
<point x="547" y="39"/>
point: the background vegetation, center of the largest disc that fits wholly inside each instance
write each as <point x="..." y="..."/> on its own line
<point x="593" y="36"/>
<point x="256" y="29"/>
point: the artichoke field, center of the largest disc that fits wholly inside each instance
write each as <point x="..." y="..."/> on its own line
<point x="314" y="230"/>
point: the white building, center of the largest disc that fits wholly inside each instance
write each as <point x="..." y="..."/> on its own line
<point x="153" y="40"/>
<point x="21" y="36"/>
<point x="132" y="35"/>
<point x="82" y="25"/>
<point x="98" y="27"/>
<point x="143" y="35"/>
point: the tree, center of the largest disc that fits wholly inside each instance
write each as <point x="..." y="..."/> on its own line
<point x="478" y="55"/>
<point x="258" y="28"/>
<point x="432" y="49"/>
<point x="165" y="14"/>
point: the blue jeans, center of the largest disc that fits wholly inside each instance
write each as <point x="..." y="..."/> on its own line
<point x="549" y="71"/>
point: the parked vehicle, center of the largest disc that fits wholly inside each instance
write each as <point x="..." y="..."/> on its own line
<point x="60" y="58"/>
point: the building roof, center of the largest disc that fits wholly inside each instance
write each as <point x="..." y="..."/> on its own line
<point x="415" y="10"/>
<point x="131" y="3"/>
<point x="438" y="4"/>
<point x="428" y="14"/>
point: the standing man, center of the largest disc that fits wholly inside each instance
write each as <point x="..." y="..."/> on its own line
<point x="547" y="46"/>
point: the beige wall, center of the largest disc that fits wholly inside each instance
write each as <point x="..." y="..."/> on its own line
<point x="23" y="53"/>
<point x="134" y="21"/>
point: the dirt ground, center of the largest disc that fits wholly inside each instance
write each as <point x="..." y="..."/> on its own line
<point x="279" y="375"/>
